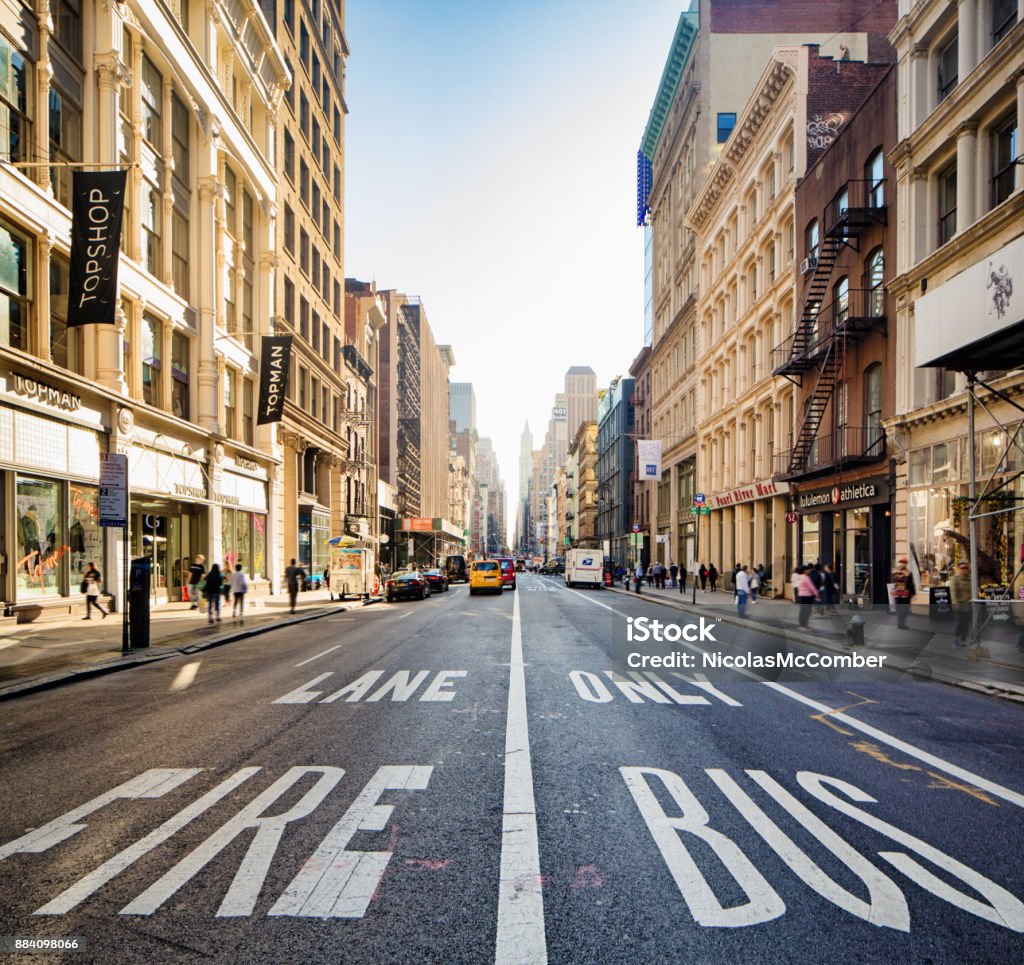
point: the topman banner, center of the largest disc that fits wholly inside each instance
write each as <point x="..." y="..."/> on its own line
<point x="649" y="455"/>
<point x="274" y="366"/>
<point x="97" y="207"/>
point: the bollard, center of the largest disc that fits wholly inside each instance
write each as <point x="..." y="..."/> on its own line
<point x="855" y="633"/>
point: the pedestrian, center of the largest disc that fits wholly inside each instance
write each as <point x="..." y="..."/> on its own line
<point x="735" y="570"/>
<point x="806" y="594"/>
<point x="682" y="577"/>
<point x="213" y="587"/>
<point x="961" y="596"/>
<point x="829" y="591"/>
<point x="196" y="572"/>
<point x="794" y="579"/>
<point x="92" y="579"/>
<point x="619" y="573"/>
<point x="327" y="582"/>
<point x="761" y="573"/>
<point x="239" y="587"/>
<point x="294" y="576"/>
<point x="659" y="576"/>
<point x="741" y="581"/>
<point x="713" y="577"/>
<point x="673" y="572"/>
<point x="755" y="583"/>
<point x="639" y="575"/>
<point x="903" y="591"/>
<point x="703" y="573"/>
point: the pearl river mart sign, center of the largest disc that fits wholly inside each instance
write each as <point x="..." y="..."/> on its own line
<point x="746" y="494"/>
<point x="864" y="492"/>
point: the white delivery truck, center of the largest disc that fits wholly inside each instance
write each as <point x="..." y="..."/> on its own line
<point x="584" y="568"/>
<point x="351" y="571"/>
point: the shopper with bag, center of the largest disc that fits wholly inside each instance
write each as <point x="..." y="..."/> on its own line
<point x="91" y="581"/>
<point x="213" y="588"/>
<point x="196" y="572"/>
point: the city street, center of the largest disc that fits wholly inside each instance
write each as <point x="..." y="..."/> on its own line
<point x="467" y="780"/>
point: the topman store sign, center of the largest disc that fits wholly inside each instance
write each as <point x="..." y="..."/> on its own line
<point x="843" y="496"/>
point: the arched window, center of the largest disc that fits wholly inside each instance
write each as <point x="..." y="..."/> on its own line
<point x="841" y="301"/>
<point x="811" y="240"/>
<point x="874" y="175"/>
<point x="874" y="278"/>
<point x="873" y="433"/>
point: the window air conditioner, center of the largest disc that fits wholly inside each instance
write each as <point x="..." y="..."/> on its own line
<point x="808" y="264"/>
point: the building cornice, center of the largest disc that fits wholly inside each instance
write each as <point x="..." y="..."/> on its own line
<point x="675" y="66"/>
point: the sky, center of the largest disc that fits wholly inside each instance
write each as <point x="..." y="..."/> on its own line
<point x="490" y="153"/>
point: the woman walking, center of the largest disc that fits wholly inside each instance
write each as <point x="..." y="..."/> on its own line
<point x="713" y="577"/>
<point x="806" y="594"/>
<point x="239" y="587"/>
<point x="213" y="590"/>
<point x="91" y="580"/>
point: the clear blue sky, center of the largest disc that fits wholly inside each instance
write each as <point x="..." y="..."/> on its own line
<point x="490" y="169"/>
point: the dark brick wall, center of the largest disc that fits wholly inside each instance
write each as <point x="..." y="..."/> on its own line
<point x="805" y="16"/>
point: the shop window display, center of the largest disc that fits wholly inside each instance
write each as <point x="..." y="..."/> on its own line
<point x="85" y="537"/>
<point x="39" y="533"/>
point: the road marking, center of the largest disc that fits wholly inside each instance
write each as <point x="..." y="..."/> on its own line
<point x="150" y="784"/>
<point x="404" y="615"/>
<point x="1014" y="797"/>
<point x="318" y="656"/>
<point x="303" y="695"/>
<point x="521" y="937"/>
<point x="185" y="677"/>
<point x="92" y="882"/>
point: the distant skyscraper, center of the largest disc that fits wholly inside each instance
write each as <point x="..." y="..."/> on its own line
<point x="580" y="399"/>
<point x="462" y="406"/>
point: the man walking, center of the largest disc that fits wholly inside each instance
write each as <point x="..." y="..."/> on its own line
<point x="294" y="576"/>
<point x="742" y="584"/>
<point x="239" y="587"/>
<point x="673" y="572"/>
<point x="639" y="575"/>
<point x="196" y="572"/>
<point x="682" y="577"/>
<point x="713" y="577"/>
<point x="703" y="571"/>
<point x="903" y="592"/>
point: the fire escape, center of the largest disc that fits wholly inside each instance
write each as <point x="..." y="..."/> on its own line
<point x="816" y="351"/>
<point x="409" y="412"/>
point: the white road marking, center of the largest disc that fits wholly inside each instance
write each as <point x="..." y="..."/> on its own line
<point x="406" y="614"/>
<point x="1014" y="797"/>
<point x="335" y="883"/>
<point x="438" y="687"/>
<point x="150" y="784"/>
<point x="245" y="888"/>
<point x="92" y="882"/>
<point x="521" y="937"/>
<point x="303" y="695"/>
<point x="185" y="676"/>
<point x="318" y="656"/>
<point x="400" y="686"/>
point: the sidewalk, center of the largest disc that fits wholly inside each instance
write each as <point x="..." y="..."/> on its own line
<point x="37" y="656"/>
<point x="924" y="650"/>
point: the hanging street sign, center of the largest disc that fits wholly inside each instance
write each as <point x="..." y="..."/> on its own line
<point x="113" y="489"/>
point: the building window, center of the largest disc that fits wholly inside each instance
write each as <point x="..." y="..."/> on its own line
<point x="316" y="332"/>
<point x="152" y="225"/>
<point x="304" y="115"/>
<point x="230" y="402"/>
<point x="15" y="122"/>
<point x="304" y="318"/>
<point x="304" y="252"/>
<point x="1004" y="159"/>
<point x="325" y="341"/>
<point x="874" y="275"/>
<point x="949" y="58"/>
<point x="841" y="301"/>
<point x="289" y="302"/>
<point x="181" y="347"/>
<point x="873" y="407"/>
<point x="248" y="426"/>
<point x="304" y="44"/>
<point x="316" y="203"/>
<point x="152" y="104"/>
<point x="811" y="241"/>
<point x="304" y="184"/>
<point x="316" y="268"/>
<point x="152" y="351"/>
<point x="231" y="202"/>
<point x="303" y="378"/>
<point x="289" y="229"/>
<point x="1004" y="17"/>
<point x="874" y="174"/>
<point x="65" y="343"/>
<point x="40" y="534"/>
<point x="180" y="252"/>
<point x="289" y="156"/>
<point x="947" y="204"/>
<point x="65" y="141"/>
<point x="314" y="395"/>
<point x="726" y="122"/>
<point x="15" y="287"/>
<point x="289" y="94"/>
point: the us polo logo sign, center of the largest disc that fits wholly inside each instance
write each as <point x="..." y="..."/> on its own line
<point x="274" y="367"/>
<point x="97" y="208"/>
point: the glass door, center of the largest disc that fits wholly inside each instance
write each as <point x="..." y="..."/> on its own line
<point x="857" y="577"/>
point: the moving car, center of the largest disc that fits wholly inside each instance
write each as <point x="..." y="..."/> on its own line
<point x="456" y="569"/>
<point x="508" y="571"/>
<point x="484" y="576"/>
<point x="436" y="580"/>
<point x="406" y="585"/>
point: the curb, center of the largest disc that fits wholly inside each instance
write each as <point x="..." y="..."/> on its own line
<point x="988" y="688"/>
<point x="140" y="658"/>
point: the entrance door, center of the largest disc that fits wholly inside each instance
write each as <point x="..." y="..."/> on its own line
<point x="155" y="533"/>
<point x="857" y="576"/>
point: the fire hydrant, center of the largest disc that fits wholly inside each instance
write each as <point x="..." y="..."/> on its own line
<point x="855" y="633"/>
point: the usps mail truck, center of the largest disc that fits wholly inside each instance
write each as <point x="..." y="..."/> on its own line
<point x="584" y="568"/>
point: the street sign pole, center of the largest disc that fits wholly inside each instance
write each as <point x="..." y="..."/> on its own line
<point x="114" y="513"/>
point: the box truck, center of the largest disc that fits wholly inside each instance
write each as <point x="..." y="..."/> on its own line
<point x="584" y="568"/>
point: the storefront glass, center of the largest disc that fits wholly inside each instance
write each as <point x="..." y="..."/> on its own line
<point x="857" y="561"/>
<point x="259" y="545"/>
<point x="931" y="532"/>
<point x="228" y="526"/>
<point x="810" y="538"/>
<point x="39" y="505"/>
<point x="85" y="537"/>
<point x="243" y="540"/>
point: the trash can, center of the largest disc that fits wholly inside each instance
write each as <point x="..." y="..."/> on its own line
<point x="139" y="579"/>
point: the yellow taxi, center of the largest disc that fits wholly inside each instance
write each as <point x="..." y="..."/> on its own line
<point x="484" y="575"/>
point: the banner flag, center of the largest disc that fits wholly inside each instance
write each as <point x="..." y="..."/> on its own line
<point x="97" y="209"/>
<point x="649" y="454"/>
<point x="274" y="358"/>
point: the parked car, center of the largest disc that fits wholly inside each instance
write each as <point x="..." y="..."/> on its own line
<point x="406" y="585"/>
<point x="456" y="569"/>
<point x="484" y="576"/>
<point x="436" y="580"/>
<point x="508" y="572"/>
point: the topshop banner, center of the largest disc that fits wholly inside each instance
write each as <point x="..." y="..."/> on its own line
<point x="97" y="208"/>
<point x="649" y="454"/>
<point x="274" y="366"/>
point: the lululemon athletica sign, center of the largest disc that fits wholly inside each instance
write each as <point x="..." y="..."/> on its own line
<point x="274" y="365"/>
<point x="97" y="208"/>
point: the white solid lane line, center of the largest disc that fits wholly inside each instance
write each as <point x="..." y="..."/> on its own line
<point x="318" y="656"/>
<point x="984" y="784"/>
<point x="521" y="937"/>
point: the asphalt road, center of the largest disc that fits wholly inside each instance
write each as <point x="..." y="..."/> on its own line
<point x="470" y="780"/>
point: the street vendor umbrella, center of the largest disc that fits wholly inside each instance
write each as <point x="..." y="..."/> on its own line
<point x="341" y="541"/>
